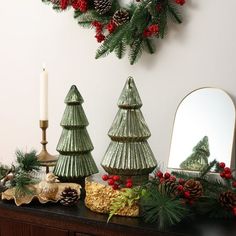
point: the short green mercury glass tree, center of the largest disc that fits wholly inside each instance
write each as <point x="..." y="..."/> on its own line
<point x="129" y="154"/>
<point x="75" y="161"/>
<point x="199" y="158"/>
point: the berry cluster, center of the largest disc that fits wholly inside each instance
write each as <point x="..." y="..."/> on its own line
<point x="99" y="27"/>
<point x="226" y="173"/>
<point x="116" y="183"/>
<point x="81" y="5"/>
<point x="180" y="183"/>
<point x="151" y="30"/>
<point x="180" y="2"/>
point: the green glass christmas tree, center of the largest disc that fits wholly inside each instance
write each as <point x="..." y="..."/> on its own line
<point x="199" y="158"/>
<point x="75" y="160"/>
<point x="129" y="154"/>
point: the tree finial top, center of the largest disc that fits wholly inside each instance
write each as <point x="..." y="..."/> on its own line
<point x="129" y="97"/>
<point x="74" y="96"/>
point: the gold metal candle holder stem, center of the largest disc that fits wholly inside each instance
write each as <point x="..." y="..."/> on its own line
<point x="44" y="157"/>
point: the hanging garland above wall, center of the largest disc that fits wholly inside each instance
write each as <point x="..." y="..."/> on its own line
<point x="134" y="27"/>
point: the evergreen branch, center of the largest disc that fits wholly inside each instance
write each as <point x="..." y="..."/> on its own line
<point x="159" y="207"/>
<point x="120" y="50"/>
<point x="207" y="168"/>
<point x="112" y="41"/>
<point x="135" y="50"/>
<point x="149" y="45"/>
<point x="27" y="161"/>
<point x="21" y="183"/>
<point x="173" y="12"/>
<point x="88" y="17"/>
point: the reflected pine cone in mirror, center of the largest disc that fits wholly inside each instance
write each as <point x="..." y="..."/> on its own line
<point x="194" y="188"/>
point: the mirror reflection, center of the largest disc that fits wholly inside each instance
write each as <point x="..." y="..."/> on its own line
<point x="203" y="130"/>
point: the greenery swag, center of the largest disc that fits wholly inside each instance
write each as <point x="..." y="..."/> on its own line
<point x="134" y="27"/>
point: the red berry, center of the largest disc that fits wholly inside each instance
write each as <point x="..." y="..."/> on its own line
<point x="172" y="178"/>
<point x="187" y="194"/>
<point x="227" y="170"/>
<point x="105" y="177"/>
<point x="100" y="37"/>
<point x="234" y="211"/>
<point x="181" y="181"/>
<point x="154" y="28"/>
<point x="115" y="186"/>
<point x="228" y="176"/>
<point x="180" y="188"/>
<point x="111" y="182"/>
<point x="147" y="33"/>
<point x="222" y="174"/>
<point x="167" y="175"/>
<point x="116" y="178"/>
<point x="222" y="165"/>
<point x="129" y="180"/>
<point x="111" y="26"/>
<point x="234" y="184"/>
<point x="129" y="185"/>
<point x="180" y="2"/>
<point x="64" y="4"/>
<point x="159" y="174"/>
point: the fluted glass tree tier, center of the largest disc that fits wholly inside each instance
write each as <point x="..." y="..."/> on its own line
<point x="75" y="160"/>
<point x="129" y="154"/>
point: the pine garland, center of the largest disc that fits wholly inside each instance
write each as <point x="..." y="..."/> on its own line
<point x="168" y="198"/>
<point x="148" y="21"/>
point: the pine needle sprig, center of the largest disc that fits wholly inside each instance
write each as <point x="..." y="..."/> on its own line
<point x="120" y="50"/>
<point x="136" y="50"/>
<point x="86" y="19"/>
<point x="27" y="162"/>
<point x="159" y="207"/>
<point x="21" y="182"/>
<point x="174" y="13"/>
<point x="149" y="45"/>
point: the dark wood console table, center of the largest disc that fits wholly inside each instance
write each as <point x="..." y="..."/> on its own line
<point x="56" y="220"/>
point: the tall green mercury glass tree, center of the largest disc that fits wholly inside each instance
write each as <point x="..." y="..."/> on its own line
<point x="129" y="154"/>
<point x="75" y="161"/>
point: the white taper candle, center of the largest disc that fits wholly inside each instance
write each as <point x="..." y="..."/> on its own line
<point x="44" y="94"/>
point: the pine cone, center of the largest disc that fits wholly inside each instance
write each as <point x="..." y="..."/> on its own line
<point x="194" y="188"/>
<point x="168" y="187"/>
<point x="228" y="200"/>
<point x="69" y="197"/>
<point x="102" y="6"/>
<point x="120" y="17"/>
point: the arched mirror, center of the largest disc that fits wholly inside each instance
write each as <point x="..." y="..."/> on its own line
<point x="203" y="130"/>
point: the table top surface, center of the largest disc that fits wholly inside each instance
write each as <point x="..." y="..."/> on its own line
<point x="199" y="227"/>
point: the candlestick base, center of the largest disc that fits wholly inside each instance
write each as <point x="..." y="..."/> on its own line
<point x="47" y="159"/>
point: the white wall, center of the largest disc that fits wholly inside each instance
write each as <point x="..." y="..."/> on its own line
<point x="200" y="52"/>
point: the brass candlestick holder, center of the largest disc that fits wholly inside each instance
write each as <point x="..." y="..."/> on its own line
<point x="44" y="157"/>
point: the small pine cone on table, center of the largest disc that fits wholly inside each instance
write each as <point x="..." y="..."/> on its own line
<point x="102" y="6"/>
<point x="228" y="200"/>
<point x="120" y="17"/>
<point x="69" y="197"/>
<point x="194" y="187"/>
